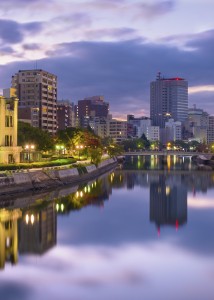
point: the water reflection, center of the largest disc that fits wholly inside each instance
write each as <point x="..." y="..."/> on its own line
<point x="27" y="231"/>
<point x="9" y="236"/>
<point x="99" y="240"/>
<point x="159" y="162"/>
<point x="33" y="229"/>
<point x="168" y="201"/>
<point x="37" y="229"/>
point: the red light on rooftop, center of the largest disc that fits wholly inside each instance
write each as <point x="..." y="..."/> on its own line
<point x="176" y="225"/>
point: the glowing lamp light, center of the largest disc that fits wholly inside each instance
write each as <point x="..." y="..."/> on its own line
<point x="27" y="219"/>
<point x="32" y="219"/>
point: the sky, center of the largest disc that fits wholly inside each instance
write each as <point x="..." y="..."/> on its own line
<point x="113" y="48"/>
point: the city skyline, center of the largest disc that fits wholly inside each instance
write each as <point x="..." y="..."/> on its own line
<point x="94" y="51"/>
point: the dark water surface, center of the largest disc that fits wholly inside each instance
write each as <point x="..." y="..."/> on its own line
<point x="135" y="233"/>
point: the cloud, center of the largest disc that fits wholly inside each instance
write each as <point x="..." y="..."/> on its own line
<point x="155" y="9"/>
<point x="74" y="19"/>
<point x="33" y="27"/>
<point x="31" y="47"/>
<point x="122" y="70"/>
<point x="12" y="32"/>
<point x="5" y="50"/>
<point x="201" y="88"/>
<point x="116" y="33"/>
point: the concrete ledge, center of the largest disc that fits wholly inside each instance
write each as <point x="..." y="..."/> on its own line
<point x="67" y="173"/>
<point x="22" y="178"/>
<point x="41" y="180"/>
<point x="91" y="168"/>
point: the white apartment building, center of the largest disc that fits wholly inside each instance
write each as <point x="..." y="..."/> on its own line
<point x="173" y="130"/>
<point x="153" y="133"/>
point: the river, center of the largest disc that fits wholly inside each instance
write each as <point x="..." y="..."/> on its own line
<point x="142" y="231"/>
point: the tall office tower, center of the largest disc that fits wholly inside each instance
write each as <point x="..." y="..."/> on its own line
<point x="91" y="107"/>
<point x="168" y="100"/>
<point x="37" y="93"/>
<point x="210" y="130"/>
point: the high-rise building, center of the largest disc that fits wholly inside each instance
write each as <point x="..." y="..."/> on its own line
<point x="65" y="115"/>
<point x="91" y="107"/>
<point x="168" y="99"/>
<point x="197" y="124"/>
<point x="37" y="93"/>
<point x="210" y="131"/>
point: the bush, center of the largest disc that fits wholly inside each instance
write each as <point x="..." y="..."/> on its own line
<point x="58" y="162"/>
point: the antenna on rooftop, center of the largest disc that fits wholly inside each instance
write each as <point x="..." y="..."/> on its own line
<point x="35" y="65"/>
<point x="158" y="76"/>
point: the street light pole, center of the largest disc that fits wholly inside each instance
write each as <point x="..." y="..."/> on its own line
<point x="79" y="147"/>
<point x="29" y="148"/>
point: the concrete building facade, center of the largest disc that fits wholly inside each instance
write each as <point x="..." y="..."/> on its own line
<point x="37" y="94"/>
<point x="168" y="99"/>
<point x="9" y="151"/>
<point x="91" y="107"/>
<point x="65" y="115"/>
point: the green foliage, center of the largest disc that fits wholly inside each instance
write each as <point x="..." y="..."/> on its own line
<point x="32" y="135"/>
<point x="146" y="142"/>
<point x="115" y="150"/>
<point x="58" y="162"/>
<point x="72" y="137"/>
<point x="136" y="144"/>
<point x="96" y="155"/>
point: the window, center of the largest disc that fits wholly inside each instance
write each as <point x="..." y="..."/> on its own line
<point x="8" y="140"/>
<point x="7" y="121"/>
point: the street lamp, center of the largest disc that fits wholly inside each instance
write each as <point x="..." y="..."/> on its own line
<point x="79" y="147"/>
<point x="29" y="148"/>
<point x="60" y="148"/>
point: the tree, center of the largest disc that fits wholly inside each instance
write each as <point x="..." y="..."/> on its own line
<point x="115" y="150"/>
<point x="33" y="135"/>
<point x="96" y="155"/>
<point x="145" y="141"/>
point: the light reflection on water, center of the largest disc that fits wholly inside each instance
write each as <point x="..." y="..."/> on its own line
<point x="130" y="234"/>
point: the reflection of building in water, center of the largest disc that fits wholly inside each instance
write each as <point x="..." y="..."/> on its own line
<point x="37" y="230"/>
<point x="9" y="236"/>
<point x="168" y="202"/>
<point x="93" y="193"/>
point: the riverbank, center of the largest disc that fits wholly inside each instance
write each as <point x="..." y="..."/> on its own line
<point x="34" y="180"/>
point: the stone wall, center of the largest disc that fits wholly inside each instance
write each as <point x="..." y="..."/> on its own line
<point x="49" y="178"/>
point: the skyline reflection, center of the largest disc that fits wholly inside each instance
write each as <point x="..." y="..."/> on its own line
<point x="101" y="240"/>
<point x="33" y="229"/>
